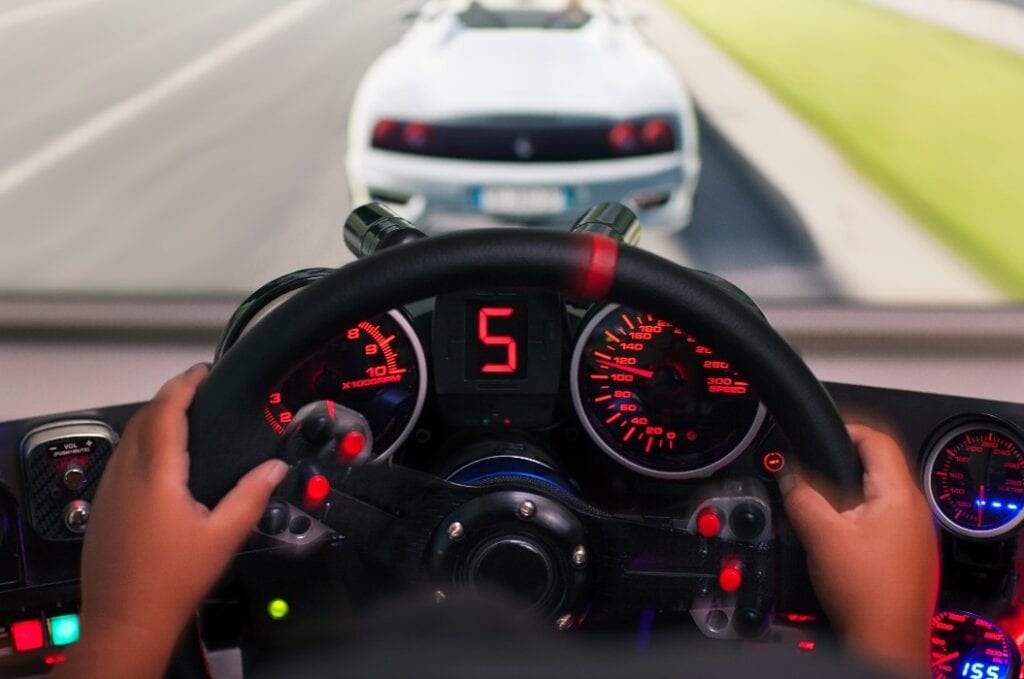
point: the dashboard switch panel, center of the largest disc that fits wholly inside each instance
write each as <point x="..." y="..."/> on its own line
<point x="62" y="463"/>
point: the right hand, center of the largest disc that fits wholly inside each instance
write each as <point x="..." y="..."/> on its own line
<point x="875" y="567"/>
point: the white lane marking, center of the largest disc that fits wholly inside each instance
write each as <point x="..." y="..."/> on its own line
<point x="108" y="120"/>
<point x="39" y="10"/>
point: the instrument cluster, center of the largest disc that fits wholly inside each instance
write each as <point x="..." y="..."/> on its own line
<point x="656" y="399"/>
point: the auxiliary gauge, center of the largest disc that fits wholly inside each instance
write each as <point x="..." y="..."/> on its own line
<point x="967" y="645"/>
<point x="974" y="479"/>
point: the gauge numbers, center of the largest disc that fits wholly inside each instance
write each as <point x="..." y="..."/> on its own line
<point x="657" y="399"/>
<point x="966" y="646"/>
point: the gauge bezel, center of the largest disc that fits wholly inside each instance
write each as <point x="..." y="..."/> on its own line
<point x="939" y="442"/>
<point x="581" y="414"/>
<point x="421" y="394"/>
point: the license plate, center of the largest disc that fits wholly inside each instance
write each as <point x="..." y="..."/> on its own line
<point x="521" y="200"/>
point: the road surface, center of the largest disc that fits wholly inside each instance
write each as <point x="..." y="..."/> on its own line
<point x="196" y="148"/>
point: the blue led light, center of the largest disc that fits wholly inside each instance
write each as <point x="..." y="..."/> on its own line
<point x="1013" y="507"/>
<point x="997" y="505"/>
<point x="983" y="670"/>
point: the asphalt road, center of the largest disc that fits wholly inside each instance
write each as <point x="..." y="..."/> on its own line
<point x="196" y="148"/>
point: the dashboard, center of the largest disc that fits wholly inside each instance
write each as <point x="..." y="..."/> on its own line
<point x="538" y="426"/>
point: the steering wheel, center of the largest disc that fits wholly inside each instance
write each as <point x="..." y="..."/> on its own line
<point x="227" y="434"/>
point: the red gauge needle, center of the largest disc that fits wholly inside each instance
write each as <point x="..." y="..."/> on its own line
<point x="981" y="503"/>
<point x="942" y="660"/>
<point x="646" y="374"/>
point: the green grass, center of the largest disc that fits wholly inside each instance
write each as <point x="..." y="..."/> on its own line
<point x="935" y="119"/>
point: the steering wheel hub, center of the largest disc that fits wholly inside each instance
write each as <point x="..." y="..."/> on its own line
<point x="524" y="543"/>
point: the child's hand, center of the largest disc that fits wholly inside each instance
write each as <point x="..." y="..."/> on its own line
<point x="151" y="551"/>
<point x="875" y="567"/>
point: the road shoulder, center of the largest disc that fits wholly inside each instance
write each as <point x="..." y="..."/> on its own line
<point x="876" y="252"/>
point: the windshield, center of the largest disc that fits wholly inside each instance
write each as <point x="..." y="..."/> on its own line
<point x="829" y="151"/>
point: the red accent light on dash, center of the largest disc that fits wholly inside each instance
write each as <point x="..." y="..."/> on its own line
<point x="805" y="645"/>
<point x="798" y="617"/>
<point x="591" y="277"/>
<point x="709" y="523"/>
<point x="317" y="488"/>
<point x="54" y="659"/>
<point x="730" y="578"/>
<point x="351" y="445"/>
<point x="774" y="461"/>
<point x="27" y="635"/>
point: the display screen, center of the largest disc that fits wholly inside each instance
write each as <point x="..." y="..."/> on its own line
<point x="497" y="335"/>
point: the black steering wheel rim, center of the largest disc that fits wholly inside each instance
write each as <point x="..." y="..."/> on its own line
<point x="227" y="434"/>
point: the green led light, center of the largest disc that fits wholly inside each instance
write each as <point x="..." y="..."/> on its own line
<point x="277" y="609"/>
<point x="64" y="629"/>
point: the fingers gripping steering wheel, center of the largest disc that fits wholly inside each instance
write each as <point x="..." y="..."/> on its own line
<point x="227" y="434"/>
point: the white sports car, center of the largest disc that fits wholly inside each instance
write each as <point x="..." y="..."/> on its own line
<point x="527" y="111"/>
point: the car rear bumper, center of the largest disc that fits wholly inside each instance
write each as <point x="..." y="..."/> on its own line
<point x="660" y="187"/>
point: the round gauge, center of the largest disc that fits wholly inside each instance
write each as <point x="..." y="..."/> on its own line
<point x="376" y="368"/>
<point x="657" y="399"/>
<point x="974" y="480"/>
<point x="965" y="645"/>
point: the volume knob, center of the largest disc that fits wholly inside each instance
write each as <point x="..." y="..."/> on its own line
<point x="73" y="476"/>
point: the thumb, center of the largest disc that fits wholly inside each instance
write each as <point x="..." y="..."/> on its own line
<point x="813" y="517"/>
<point x="239" y="511"/>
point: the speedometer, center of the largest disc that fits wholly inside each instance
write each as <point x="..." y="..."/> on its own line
<point x="974" y="479"/>
<point x="657" y="399"/>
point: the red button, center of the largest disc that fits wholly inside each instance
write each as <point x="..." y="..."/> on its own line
<point x="709" y="522"/>
<point x="730" y="578"/>
<point x="27" y="635"/>
<point x="317" y="488"/>
<point x="351" y="445"/>
<point x="774" y="461"/>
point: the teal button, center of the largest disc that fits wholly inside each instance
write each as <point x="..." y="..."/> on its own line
<point x="64" y="629"/>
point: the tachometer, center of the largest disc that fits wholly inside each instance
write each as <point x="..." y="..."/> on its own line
<point x="974" y="480"/>
<point x="657" y="399"/>
<point x="376" y="367"/>
<point x="966" y="645"/>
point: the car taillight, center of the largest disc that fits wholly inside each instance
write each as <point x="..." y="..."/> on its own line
<point x="416" y="136"/>
<point x="651" y="135"/>
<point x="657" y="135"/>
<point x="386" y="133"/>
<point x="623" y="138"/>
<point x="398" y="135"/>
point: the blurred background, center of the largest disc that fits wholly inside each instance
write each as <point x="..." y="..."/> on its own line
<point x="854" y="165"/>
